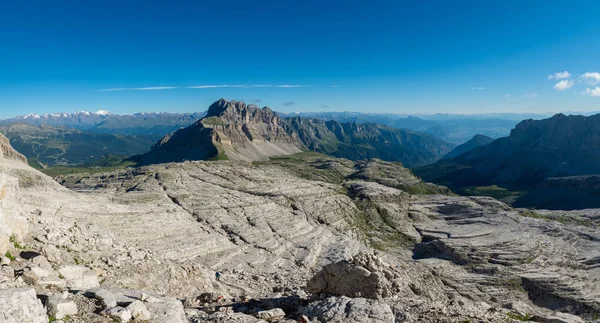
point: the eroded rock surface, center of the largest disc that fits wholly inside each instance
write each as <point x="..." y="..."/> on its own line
<point x="158" y="233"/>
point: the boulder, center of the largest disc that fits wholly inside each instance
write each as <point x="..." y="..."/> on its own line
<point x="59" y="307"/>
<point x="33" y="275"/>
<point x="106" y="297"/>
<point x="271" y="315"/>
<point x="21" y="305"/>
<point x="365" y="276"/>
<point x="139" y="311"/>
<point x="79" y="277"/>
<point x="349" y="310"/>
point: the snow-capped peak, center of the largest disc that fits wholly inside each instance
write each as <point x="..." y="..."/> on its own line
<point x="31" y="116"/>
<point x="102" y="113"/>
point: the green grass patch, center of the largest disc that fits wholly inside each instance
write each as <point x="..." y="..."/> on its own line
<point x="104" y="165"/>
<point x="376" y="229"/>
<point x="522" y="318"/>
<point x="15" y="242"/>
<point x="213" y="121"/>
<point x="494" y="191"/>
<point x="10" y="256"/>
<point x="574" y="220"/>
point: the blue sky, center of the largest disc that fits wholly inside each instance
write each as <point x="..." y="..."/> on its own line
<point x="370" y="56"/>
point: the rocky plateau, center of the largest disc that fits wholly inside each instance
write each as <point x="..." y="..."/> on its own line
<point x="304" y="237"/>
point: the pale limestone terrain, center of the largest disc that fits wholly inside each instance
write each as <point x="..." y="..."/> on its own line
<point x="308" y="237"/>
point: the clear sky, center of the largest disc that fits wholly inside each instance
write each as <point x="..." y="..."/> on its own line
<point x="372" y="56"/>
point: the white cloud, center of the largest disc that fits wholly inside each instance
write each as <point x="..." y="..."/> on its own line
<point x="507" y="96"/>
<point x="246" y="86"/>
<point x="210" y="86"/>
<point x="478" y="88"/>
<point x="152" y="88"/>
<point x="592" y="78"/>
<point x="563" y="85"/>
<point x="559" y="75"/>
<point x="532" y="95"/>
<point x="593" y="92"/>
<point x="336" y="86"/>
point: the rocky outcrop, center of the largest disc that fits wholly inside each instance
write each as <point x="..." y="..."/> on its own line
<point x="366" y="276"/>
<point x="13" y="225"/>
<point x="269" y="228"/>
<point x="349" y="310"/>
<point x="18" y="305"/>
<point x="7" y="151"/>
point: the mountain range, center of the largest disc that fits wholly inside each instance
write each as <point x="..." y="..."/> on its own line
<point x="102" y="121"/>
<point x="234" y="130"/>
<point x="539" y="155"/>
<point x="452" y="128"/>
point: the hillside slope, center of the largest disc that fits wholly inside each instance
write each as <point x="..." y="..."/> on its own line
<point x="475" y="142"/>
<point x="58" y="145"/>
<point x="277" y="226"/>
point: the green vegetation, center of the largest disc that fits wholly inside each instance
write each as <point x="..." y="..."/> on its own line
<point x="15" y="242"/>
<point x="10" y="256"/>
<point x="564" y="219"/>
<point x="105" y="164"/>
<point x="494" y="191"/>
<point x="377" y="229"/>
<point x="213" y="121"/>
<point x="46" y="145"/>
<point x="522" y="318"/>
<point x="313" y="166"/>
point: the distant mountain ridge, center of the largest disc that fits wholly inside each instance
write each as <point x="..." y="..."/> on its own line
<point x="456" y="129"/>
<point x="535" y="151"/>
<point x="102" y="121"/>
<point x="475" y="142"/>
<point x="234" y="130"/>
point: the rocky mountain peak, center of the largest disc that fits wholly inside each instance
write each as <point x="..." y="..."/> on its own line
<point x="238" y="112"/>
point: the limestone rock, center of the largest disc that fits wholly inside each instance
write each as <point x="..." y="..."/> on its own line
<point x="119" y="314"/>
<point x="21" y="305"/>
<point x="13" y="225"/>
<point x="59" y="307"/>
<point x="271" y="315"/>
<point x="139" y="311"/>
<point x="364" y="277"/>
<point x="348" y="310"/>
<point x="106" y="298"/>
<point x="79" y="277"/>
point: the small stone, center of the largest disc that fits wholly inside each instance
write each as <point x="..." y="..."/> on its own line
<point x="4" y="261"/>
<point x="79" y="277"/>
<point x="42" y="262"/>
<point x="148" y="299"/>
<point x="33" y="275"/>
<point x="118" y="314"/>
<point x="139" y="311"/>
<point x="271" y="315"/>
<point x="52" y="253"/>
